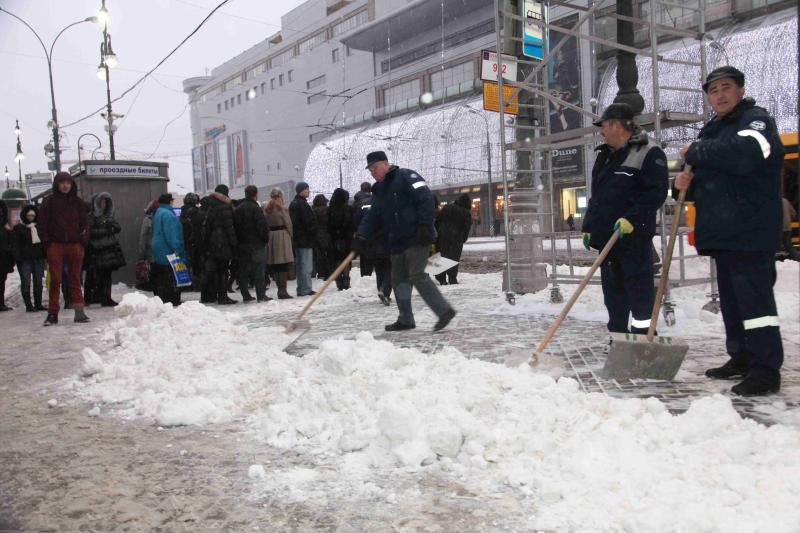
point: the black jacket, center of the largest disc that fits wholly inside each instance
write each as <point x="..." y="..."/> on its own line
<point x="104" y="251"/>
<point x="400" y="204"/>
<point x="6" y="251"/>
<point x="251" y="227"/>
<point x="453" y="223"/>
<point x="340" y="222"/>
<point x="627" y="183"/>
<point x="219" y="233"/>
<point x="22" y="240"/>
<point x="322" y="240"/>
<point x="188" y="213"/>
<point x="736" y="187"/>
<point x="304" y="224"/>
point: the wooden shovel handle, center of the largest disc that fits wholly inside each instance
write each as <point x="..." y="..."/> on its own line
<point x="324" y="286"/>
<point x="554" y="326"/>
<point x="667" y="261"/>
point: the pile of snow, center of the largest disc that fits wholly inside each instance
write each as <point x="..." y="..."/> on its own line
<point x="180" y="366"/>
<point x="583" y="459"/>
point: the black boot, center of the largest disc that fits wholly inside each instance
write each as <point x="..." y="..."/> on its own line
<point x="37" y="300"/>
<point x="280" y="281"/>
<point x="445" y="319"/>
<point x="246" y="296"/>
<point x="28" y="305"/>
<point x="51" y="320"/>
<point x="730" y="370"/>
<point x="3" y="306"/>
<point x="757" y="386"/>
<point x="222" y="293"/>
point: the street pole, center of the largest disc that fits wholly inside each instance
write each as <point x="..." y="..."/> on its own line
<point x="20" y="155"/>
<point x="49" y="57"/>
<point x="106" y="53"/>
<point x="490" y="205"/>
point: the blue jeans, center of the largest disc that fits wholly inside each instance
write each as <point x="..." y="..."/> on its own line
<point x="303" y="265"/>
<point x="28" y="268"/>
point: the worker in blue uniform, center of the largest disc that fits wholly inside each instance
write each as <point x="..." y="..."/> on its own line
<point x="735" y="185"/>
<point x="629" y="184"/>
<point x="402" y="208"/>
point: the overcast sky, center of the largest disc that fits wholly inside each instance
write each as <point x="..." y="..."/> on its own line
<point x="156" y="122"/>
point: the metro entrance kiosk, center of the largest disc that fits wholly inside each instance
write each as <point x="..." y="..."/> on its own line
<point x="132" y="186"/>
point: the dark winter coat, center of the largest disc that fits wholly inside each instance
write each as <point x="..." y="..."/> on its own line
<point x="251" y="228"/>
<point x="219" y="234"/>
<point x="453" y="223"/>
<point x="627" y="183"/>
<point x="105" y="250"/>
<point x="340" y="222"/>
<point x="62" y="218"/>
<point x="6" y="251"/>
<point x="736" y="187"/>
<point x="400" y="204"/>
<point x="22" y="240"/>
<point x="322" y="238"/>
<point x="303" y="222"/>
<point x="198" y="223"/>
<point x="188" y="213"/>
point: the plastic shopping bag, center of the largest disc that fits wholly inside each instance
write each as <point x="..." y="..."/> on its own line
<point x="183" y="278"/>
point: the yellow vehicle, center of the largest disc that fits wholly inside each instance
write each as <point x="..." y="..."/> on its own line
<point x="789" y="176"/>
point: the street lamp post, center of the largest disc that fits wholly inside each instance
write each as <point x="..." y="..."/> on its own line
<point x="490" y="203"/>
<point x="8" y="184"/>
<point x="49" y="56"/>
<point x="20" y="156"/>
<point x="107" y="60"/>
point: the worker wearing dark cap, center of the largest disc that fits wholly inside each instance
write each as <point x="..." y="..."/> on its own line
<point x="629" y="185"/>
<point x="402" y="208"/>
<point x="735" y="185"/>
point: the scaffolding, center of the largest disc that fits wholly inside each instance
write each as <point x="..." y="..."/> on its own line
<point x="529" y="212"/>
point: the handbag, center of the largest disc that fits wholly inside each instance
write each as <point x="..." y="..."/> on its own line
<point x="142" y="272"/>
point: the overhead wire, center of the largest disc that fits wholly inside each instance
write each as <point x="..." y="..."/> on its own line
<point x="149" y="72"/>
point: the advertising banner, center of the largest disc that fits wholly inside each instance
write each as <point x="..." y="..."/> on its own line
<point x="239" y="158"/>
<point x="224" y="161"/>
<point x="564" y="75"/>
<point x="567" y="163"/>
<point x="197" y="168"/>
<point x="210" y="160"/>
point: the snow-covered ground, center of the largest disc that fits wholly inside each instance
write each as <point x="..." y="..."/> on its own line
<point x="359" y="407"/>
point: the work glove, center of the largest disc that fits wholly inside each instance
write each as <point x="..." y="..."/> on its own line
<point x="358" y="245"/>
<point x="623" y="226"/>
<point x="425" y="235"/>
<point x="586" y="238"/>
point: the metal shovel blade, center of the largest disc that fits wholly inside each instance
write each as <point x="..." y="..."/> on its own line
<point x="632" y="356"/>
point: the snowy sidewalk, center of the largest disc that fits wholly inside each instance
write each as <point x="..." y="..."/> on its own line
<point x="207" y="417"/>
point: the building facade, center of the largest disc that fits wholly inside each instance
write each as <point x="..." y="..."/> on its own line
<point x="403" y="76"/>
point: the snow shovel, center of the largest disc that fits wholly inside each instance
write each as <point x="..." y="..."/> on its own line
<point x="632" y="355"/>
<point x="297" y="321"/>
<point x="534" y="359"/>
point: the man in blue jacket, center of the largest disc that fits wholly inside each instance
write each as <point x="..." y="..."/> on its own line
<point x="167" y="239"/>
<point x="629" y="184"/>
<point x="736" y="187"/>
<point x="402" y="206"/>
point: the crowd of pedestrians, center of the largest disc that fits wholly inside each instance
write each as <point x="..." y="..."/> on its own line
<point x="73" y="245"/>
